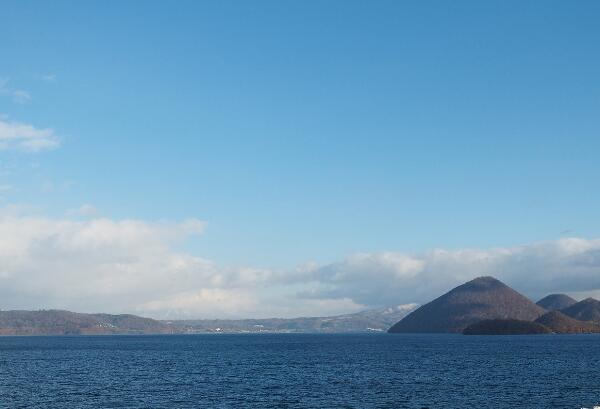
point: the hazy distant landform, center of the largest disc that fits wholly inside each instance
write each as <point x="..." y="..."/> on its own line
<point x="58" y="322"/>
<point x="486" y="306"/>
<point x="483" y="306"/>
<point x="377" y="320"/>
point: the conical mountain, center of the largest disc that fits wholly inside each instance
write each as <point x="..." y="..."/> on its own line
<point x="586" y="310"/>
<point x="480" y="299"/>
<point x="555" y="302"/>
<point x="562" y="324"/>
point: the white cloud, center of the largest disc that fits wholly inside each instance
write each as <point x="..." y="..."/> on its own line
<point x="86" y="210"/>
<point x="48" y="77"/>
<point x="567" y="265"/>
<point x="215" y="302"/>
<point x="20" y="96"/>
<point x="96" y="264"/>
<point x="135" y="266"/>
<point x="26" y="137"/>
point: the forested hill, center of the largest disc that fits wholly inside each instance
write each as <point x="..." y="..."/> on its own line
<point x="59" y="322"/>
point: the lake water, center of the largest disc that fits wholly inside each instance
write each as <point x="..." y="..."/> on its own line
<point x="298" y="370"/>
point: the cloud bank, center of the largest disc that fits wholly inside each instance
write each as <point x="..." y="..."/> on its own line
<point x="25" y="137"/>
<point x="132" y="266"/>
<point x="567" y="265"/>
<point x="105" y="265"/>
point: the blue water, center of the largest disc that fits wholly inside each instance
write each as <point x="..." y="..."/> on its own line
<point x="298" y="371"/>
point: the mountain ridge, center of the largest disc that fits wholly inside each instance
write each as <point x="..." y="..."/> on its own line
<point x="63" y="322"/>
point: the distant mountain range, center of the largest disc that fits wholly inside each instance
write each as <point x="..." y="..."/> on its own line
<point x="59" y="322"/>
<point x="484" y="306"/>
<point x="487" y="306"/>
<point x="377" y="320"/>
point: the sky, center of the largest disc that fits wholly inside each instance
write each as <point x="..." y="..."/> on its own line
<point x="284" y="158"/>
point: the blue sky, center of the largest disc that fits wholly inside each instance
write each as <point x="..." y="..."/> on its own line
<point x="309" y="131"/>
